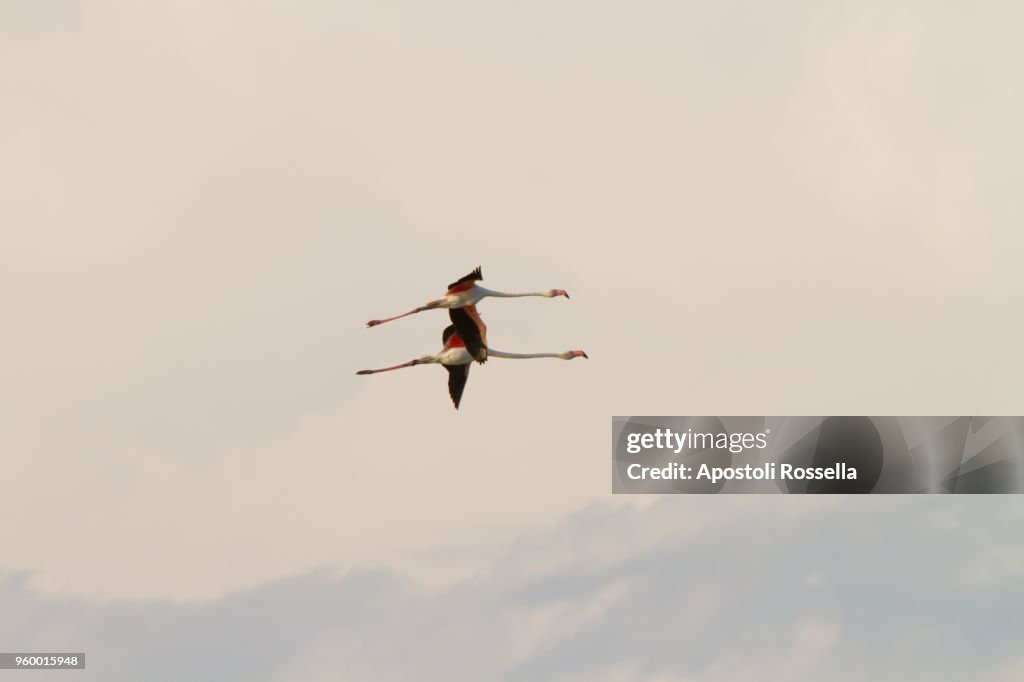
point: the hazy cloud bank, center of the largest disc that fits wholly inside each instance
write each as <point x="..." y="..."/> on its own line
<point x="793" y="589"/>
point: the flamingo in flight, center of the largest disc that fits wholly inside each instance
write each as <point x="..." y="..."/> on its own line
<point x="455" y="358"/>
<point x="464" y="293"/>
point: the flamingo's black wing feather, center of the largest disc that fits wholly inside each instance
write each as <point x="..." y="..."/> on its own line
<point x="474" y="276"/>
<point x="471" y="330"/>
<point x="457" y="375"/>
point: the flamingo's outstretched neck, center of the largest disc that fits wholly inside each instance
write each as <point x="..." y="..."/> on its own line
<point x="549" y="293"/>
<point x="567" y="355"/>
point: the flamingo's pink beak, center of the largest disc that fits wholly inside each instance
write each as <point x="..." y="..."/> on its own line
<point x="580" y="354"/>
<point x="561" y="292"/>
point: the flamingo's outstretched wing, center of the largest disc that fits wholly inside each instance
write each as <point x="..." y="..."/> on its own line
<point x="472" y="330"/>
<point x="457" y="376"/>
<point x="466" y="282"/>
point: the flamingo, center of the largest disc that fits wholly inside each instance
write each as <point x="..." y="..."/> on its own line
<point x="465" y="292"/>
<point x="455" y="358"/>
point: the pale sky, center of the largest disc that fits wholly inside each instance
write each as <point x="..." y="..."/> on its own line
<point x="757" y="208"/>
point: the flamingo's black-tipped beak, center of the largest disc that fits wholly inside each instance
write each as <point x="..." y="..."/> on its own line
<point x="563" y="292"/>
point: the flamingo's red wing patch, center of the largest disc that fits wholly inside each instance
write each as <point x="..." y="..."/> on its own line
<point x="450" y="338"/>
